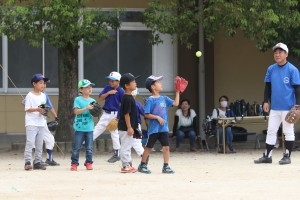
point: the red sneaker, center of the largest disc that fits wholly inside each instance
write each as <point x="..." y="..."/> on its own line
<point x="128" y="169"/>
<point x="73" y="167"/>
<point x="89" y="166"/>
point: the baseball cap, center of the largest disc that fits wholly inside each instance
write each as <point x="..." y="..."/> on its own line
<point x="126" y="79"/>
<point x="151" y="79"/>
<point x="37" y="77"/>
<point x="84" y="83"/>
<point x="281" y="46"/>
<point x="115" y="76"/>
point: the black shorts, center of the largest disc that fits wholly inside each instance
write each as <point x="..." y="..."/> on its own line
<point x="162" y="137"/>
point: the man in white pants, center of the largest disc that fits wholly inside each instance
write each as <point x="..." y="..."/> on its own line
<point x="112" y="95"/>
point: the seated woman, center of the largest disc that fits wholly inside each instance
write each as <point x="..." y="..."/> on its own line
<point x="222" y="111"/>
<point x="185" y="124"/>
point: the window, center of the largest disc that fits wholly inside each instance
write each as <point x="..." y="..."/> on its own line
<point x="128" y="50"/>
<point x="136" y="54"/>
<point x="100" y="59"/>
<point x="23" y="62"/>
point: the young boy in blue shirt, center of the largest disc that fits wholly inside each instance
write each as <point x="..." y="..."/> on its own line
<point x="156" y="111"/>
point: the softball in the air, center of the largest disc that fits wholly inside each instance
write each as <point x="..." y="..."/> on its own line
<point x="198" y="54"/>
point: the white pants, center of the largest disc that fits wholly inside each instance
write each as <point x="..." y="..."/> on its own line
<point x="101" y="127"/>
<point x="126" y="145"/>
<point x="277" y="117"/>
<point x="137" y="146"/>
<point x="34" y="138"/>
<point x="48" y="138"/>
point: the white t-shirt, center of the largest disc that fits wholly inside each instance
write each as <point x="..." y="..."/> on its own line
<point x="34" y="101"/>
<point x="185" y="121"/>
<point x="215" y="113"/>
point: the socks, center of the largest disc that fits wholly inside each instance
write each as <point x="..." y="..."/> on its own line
<point x="289" y="147"/>
<point x="117" y="152"/>
<point x="49" y="154"/>
<point x="269" y="149"/>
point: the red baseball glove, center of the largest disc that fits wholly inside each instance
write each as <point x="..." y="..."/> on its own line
<point x="180" y="84"/>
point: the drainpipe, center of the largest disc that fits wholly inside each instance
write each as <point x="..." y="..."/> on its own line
<point x="201" y="75"/>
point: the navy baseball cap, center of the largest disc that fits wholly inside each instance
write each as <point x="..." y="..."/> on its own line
<point x="38" y="77"/>
<point x="126" y="79"/>
<point x="151" y="79"/>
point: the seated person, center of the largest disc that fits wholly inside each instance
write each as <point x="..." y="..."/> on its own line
<point x="223" y="111"/>
<point x="185" y="124"/>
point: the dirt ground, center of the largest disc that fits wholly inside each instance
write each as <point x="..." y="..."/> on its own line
<point x="199" y="175"/>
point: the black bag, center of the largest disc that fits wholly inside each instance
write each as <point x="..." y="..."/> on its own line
<point x="237" y="136"/>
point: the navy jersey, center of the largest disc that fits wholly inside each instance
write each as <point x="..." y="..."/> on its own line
<point x="112" y="101"/>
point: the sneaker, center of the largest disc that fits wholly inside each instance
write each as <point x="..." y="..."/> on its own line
<point x="285" y="160"/>
<point x="88" y="166"/>
<point x="113" y="159"/>
<point x="167" y="170"/>
<point x="51" y="163"/>
<point x="144" y="169"/>
<point x="263" y="159"/>
<point x="28" y="166"/>
<point x="42" y="163"/>
<point x="73" y="167"/>
<point x="193" y="149"/>
<point x="128" y="169"/>
<point x="39" y="166"/>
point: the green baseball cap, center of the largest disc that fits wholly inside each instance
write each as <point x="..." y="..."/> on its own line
<point x="84" y="83"/>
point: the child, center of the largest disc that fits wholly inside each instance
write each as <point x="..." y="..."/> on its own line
<point x="48" y="137"/>
<point x="112" y="94"/>
<point x="156" y="111"/>
<point x="137" y="142"/>
<point x="83" y="125"/>
<point x="35" y="123"/>
<point x="127" y="122"/>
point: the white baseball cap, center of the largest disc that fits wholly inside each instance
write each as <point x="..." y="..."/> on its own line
<point x="115" y="76"/>
<point x="281" y="46"/>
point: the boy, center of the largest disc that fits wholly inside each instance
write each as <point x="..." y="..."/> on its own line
<point x="48" y="137"/>
<point x="35" y="122"/>
<point x="127" y="122"/>
<point x="156" y="111"/>
<point x="112" y="94"/>
<point x="83" y="125"/>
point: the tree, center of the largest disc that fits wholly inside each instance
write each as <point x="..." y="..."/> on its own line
<point x="62" y="23"/>
<point x="264" y="21"/>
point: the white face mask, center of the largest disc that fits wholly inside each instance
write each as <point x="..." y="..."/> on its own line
<point x="223" y="104"/>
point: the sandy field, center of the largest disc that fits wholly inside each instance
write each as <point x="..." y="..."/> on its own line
<point x="199" y="175"/>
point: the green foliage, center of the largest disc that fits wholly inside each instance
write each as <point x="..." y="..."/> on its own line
<point x="179" y="18"/>
<point x="264" y="21"/>
<point x="60" y="22"/>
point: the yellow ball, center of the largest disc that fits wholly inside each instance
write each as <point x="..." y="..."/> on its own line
<point x="198" y="54"/>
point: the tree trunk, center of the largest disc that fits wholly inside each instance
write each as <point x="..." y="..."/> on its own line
<point x="68" y="79"/>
